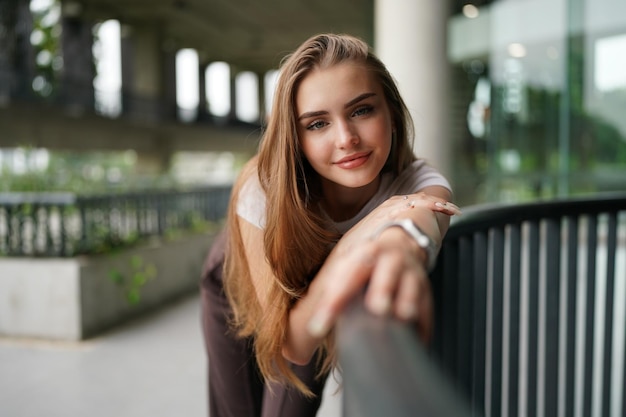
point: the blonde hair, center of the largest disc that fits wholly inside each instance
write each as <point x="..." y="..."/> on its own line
<point x="297" y="239"/>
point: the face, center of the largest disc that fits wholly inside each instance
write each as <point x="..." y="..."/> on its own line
<point x="344" y="128"/>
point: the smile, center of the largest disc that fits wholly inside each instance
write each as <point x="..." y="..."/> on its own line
<point x="353" y="161"/>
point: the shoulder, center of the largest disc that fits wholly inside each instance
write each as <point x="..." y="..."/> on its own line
<point x="417" y="176"/>
<point x="250" y="198"/>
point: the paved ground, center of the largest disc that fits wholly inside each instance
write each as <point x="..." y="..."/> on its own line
<point x="154" y="366"/>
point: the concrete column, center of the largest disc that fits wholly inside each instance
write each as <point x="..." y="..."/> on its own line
<point x="8" y="21"/>
<point x="262" y="93"/>
<point x="232" y="114"/>
<point x="410" y="37"/>
<point x="78" y="71"/>
<point x="17" y="57"/>
<point x="148" y="73"/>
<point x="203" y="113"/>
<point x="149" y="90"/>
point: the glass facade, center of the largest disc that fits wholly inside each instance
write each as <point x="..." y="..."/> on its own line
<point x="539" y="93"/>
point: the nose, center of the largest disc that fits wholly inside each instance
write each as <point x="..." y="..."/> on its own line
<point x="346" y="135"/>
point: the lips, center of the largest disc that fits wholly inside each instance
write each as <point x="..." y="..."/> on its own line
<point x="354" y="160"/>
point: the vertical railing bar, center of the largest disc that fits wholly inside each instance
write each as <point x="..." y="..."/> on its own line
<point x="611" y="246"/>
<point x="160" y="214"/>
<point x="62" y="251"/>
<point x="35" y="228"/>
<point x="553" y="280"/>
<point x="572" y="291"/>
<point x="20" y="229"/>
<point x="514" y="318"/>
<point x="82" y="224"/>
<point x="592" y="242"/>
<point x="465" y="329"/>
<point x="480" y="317"/>
<point x="450" y="287"/>
<point x="533" y="316"/>
<point x="5" y="239"/>
<point x="138" y="219"/>
<point x="441" y="327"/>
<point x="50" y="236"/>
<point x="497" y="322"/>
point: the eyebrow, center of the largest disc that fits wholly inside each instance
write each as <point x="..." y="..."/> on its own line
<point x="348" y="104"/>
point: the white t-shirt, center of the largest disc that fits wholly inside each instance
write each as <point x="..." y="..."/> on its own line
<point x="419" y="175"/>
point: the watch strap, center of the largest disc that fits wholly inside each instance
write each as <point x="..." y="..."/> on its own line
<point x="422" y="239"/>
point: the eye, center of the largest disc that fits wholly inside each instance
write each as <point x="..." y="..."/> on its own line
<point x="362" y="111"/>
<point x="316" y="125"/>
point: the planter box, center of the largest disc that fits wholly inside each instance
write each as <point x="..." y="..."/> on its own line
<point x="76" y="298"/>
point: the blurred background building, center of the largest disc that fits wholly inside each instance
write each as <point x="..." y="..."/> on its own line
<point x="512" y="99"/>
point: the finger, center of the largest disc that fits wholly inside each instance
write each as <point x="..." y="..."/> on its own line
<point x="448" y="207"/>
<point x="406" y="303"/>
<point x="425" y="200"/>
<point x="347" y="275"/>
<point x="425" y="314"/>
<point x="383" y="283"/>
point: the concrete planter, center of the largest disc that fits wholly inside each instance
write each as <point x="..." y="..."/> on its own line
<point x="75" y="298"/>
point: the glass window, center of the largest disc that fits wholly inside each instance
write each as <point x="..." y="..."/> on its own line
<point x="540" y="94"/>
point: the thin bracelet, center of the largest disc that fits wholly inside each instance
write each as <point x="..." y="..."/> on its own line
<point x="422" y="239"/>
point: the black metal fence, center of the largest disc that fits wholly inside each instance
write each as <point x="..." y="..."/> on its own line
<point x="520" y="292"/>
<point x="66" y="224"/>
<point x="530" y="318"/>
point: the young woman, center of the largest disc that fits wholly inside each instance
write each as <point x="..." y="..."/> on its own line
<point x="334" y="204"/>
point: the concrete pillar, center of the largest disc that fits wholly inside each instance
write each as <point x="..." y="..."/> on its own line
<point x="17" y="57"/>
<point x="149" y="90"/>
<point x="410" y="37"/>
<point x="8" y="21"/>
<point x="262" y="110"/>
<point x="203" y="113"/>
<point x="148" y="73"/>
<point x="232" y="114"/>
<point x="78" y="72"/>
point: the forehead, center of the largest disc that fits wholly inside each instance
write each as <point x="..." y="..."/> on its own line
<point x="335" y="84"/>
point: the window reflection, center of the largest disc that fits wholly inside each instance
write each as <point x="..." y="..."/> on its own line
<point x="553" y="123"/>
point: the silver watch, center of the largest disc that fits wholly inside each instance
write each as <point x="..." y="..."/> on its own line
<point x="423" y="240"/>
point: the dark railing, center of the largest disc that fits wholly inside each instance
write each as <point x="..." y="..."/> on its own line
<point x="528" y="318"/>
<point x="65" y="224"/>
<point x="388" y="372"/>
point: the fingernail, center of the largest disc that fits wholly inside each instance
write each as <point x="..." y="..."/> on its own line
<point x="319" y="324"/>
<point x="449" y="206"/>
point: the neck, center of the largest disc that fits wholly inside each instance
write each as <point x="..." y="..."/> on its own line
<point x="343" y="203"/>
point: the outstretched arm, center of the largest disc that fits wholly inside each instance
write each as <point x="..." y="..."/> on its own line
<point x="392" y="267"/>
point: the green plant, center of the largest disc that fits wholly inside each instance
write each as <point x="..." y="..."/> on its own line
<point x="133" y="280"/>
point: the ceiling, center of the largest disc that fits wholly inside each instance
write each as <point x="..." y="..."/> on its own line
<point x="252" y="34"/>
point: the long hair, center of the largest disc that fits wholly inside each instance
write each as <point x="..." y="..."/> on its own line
<point x="297" y="238"/>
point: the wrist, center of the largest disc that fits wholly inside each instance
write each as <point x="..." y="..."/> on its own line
<point x="418" y="237"/>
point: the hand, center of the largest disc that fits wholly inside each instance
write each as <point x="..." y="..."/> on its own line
<point x="392" y="209"/>
<point x="398" y="283"/>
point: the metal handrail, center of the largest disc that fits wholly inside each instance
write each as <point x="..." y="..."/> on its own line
<point x="512" y="335"/>
<point x="388" y="372"/>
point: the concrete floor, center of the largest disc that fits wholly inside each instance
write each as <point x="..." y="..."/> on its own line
<point x="153" y="366"/>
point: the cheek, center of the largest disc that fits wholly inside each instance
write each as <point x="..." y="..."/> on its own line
<point x="313" y="151"/>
